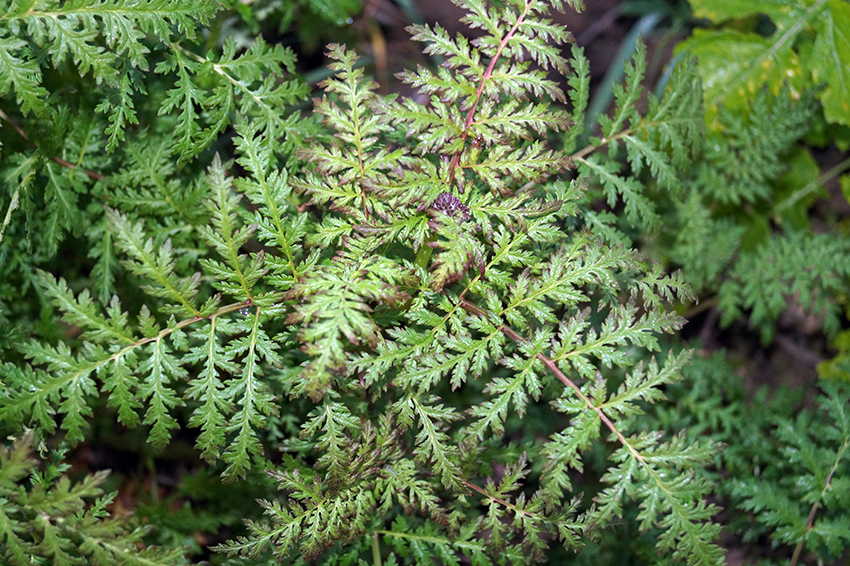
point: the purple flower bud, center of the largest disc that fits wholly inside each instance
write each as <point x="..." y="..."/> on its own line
<point x="450" y="205"/>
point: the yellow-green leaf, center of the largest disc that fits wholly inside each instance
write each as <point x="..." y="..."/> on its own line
<point x="830" y="61"/>
<point x="735" y="66"/>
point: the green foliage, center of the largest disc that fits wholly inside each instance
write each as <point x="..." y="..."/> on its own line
<point x="47" y="519"/>
<point x="787" y="464"/>
<point x="743" y="232"/>
<point x="114" y="145"/>
<point x="809" y="46"/>
<point x="729" y="204"/>
<point x="73" y="29"/>
<point x="744" y="229"/>
<point x="426" y="325"/>
<point x="809" y="269"/>
<point x="662" y="142"/>
<point x="805" y="502"/>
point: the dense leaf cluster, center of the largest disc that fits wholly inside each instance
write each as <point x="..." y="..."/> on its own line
<point x="426" y="323"/>
<point x="47" y="519"/>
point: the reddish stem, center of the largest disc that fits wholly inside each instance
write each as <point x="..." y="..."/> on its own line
<point x="562" y="377"/>
<point x="487" y="74"/>
<point x="91" y="174"/>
